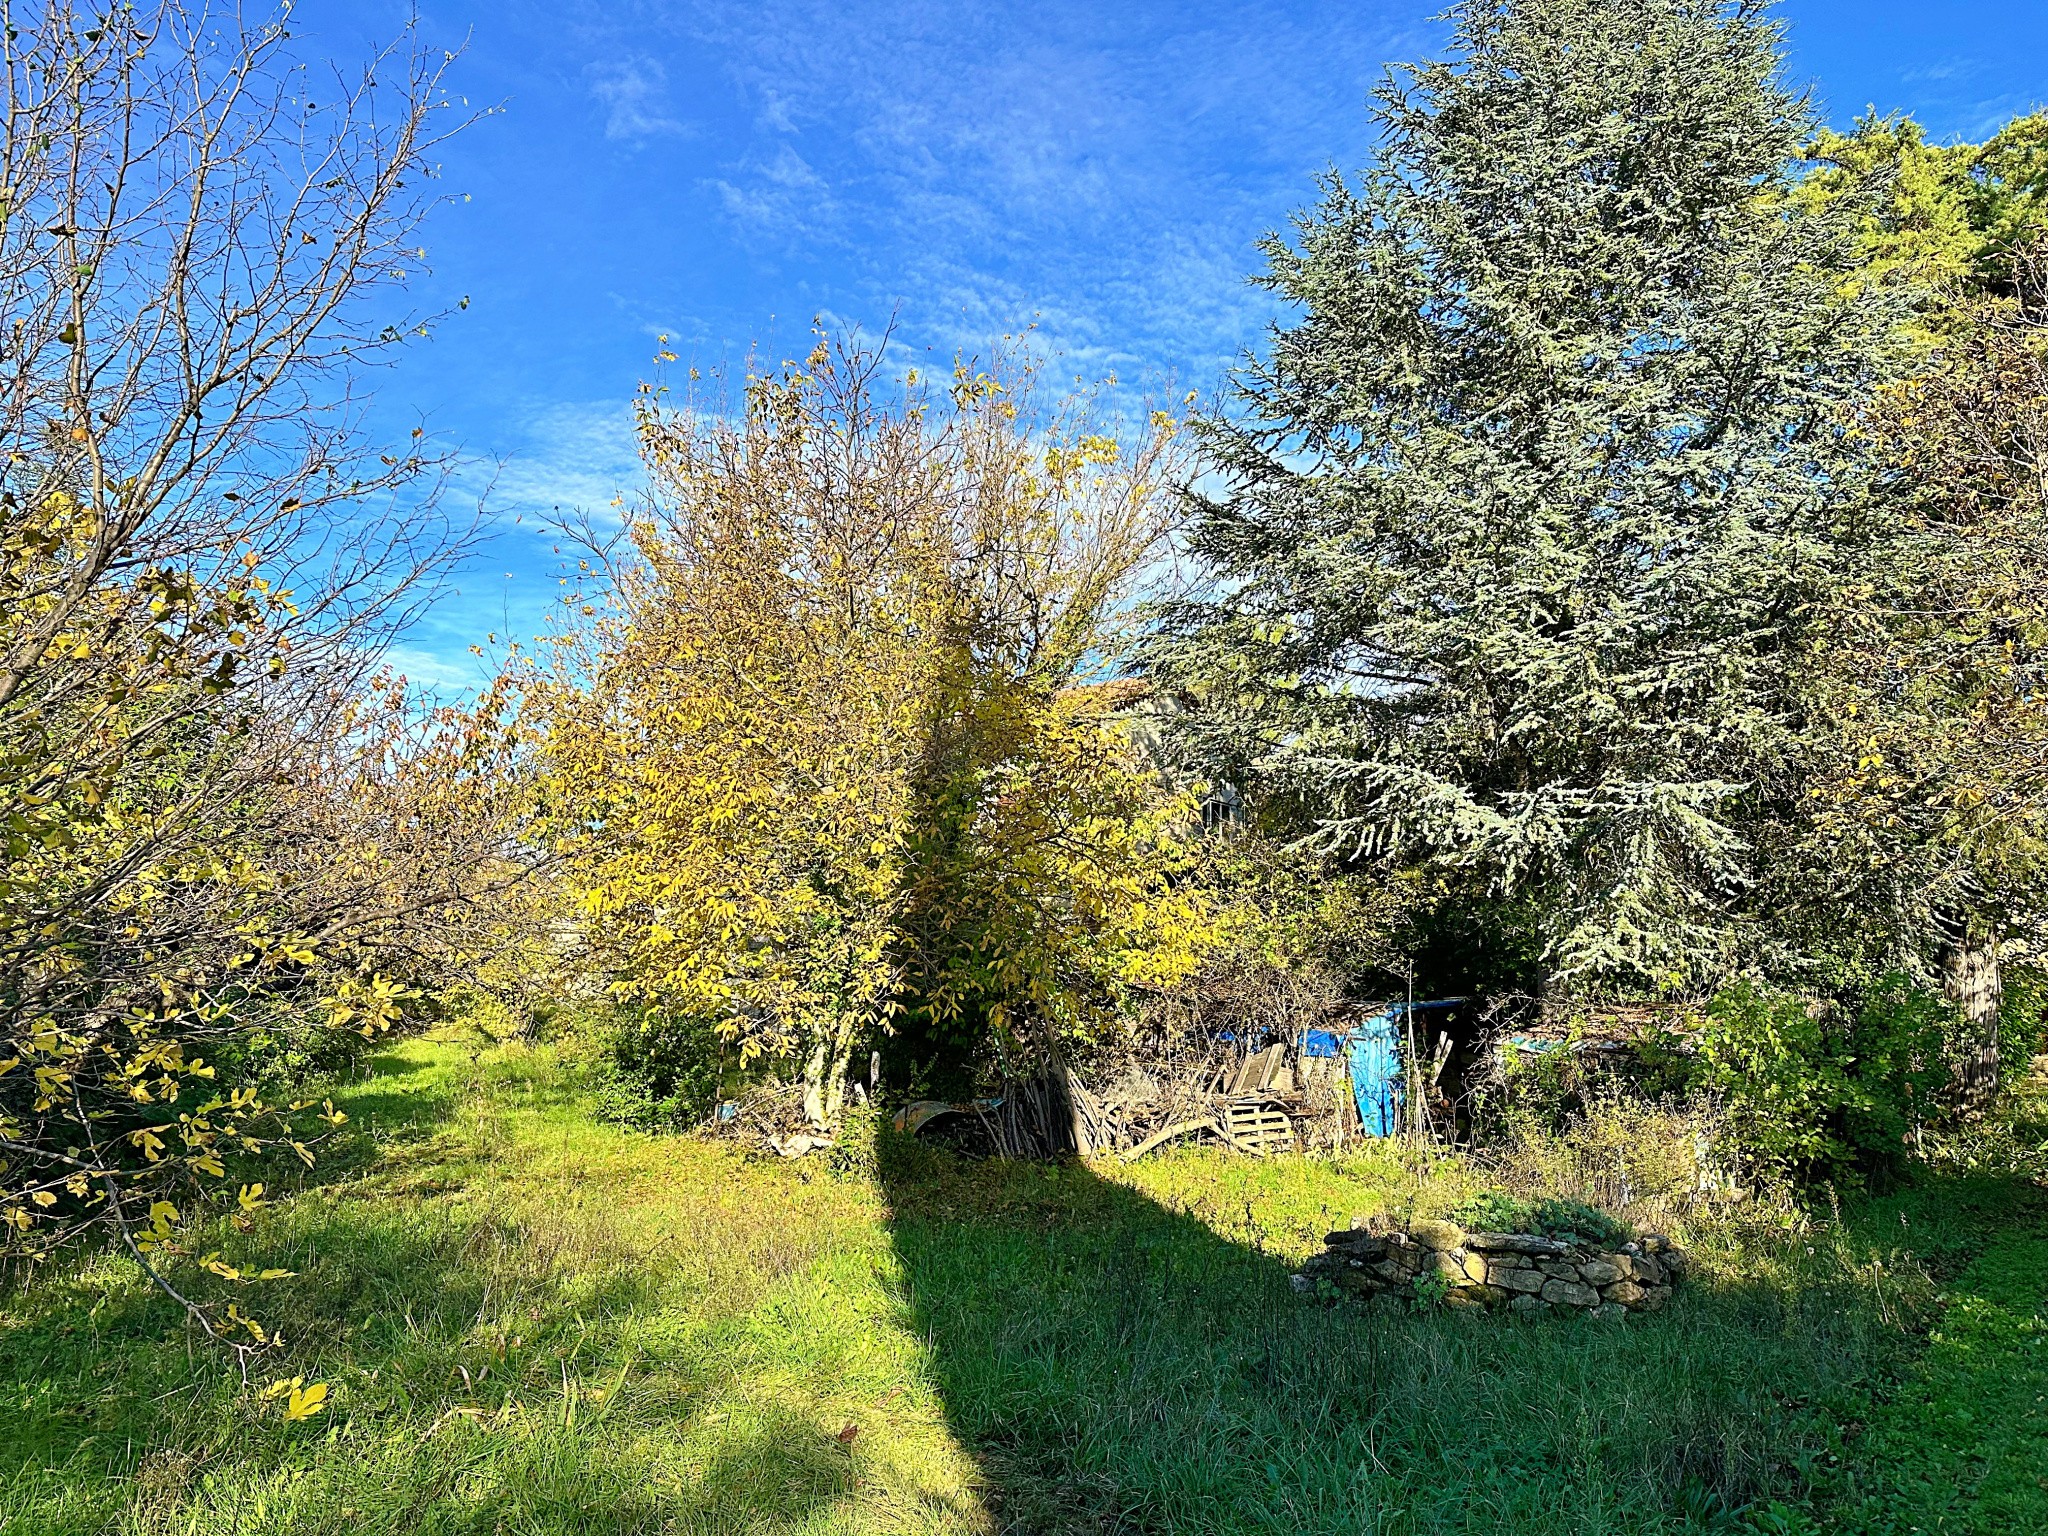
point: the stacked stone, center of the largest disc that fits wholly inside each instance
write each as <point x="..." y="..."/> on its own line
<point x="1516" y="1270"/>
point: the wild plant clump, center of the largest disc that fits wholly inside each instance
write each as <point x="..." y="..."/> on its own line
<point x="657" y="1072"/>
<point x="1566" y="1221"/>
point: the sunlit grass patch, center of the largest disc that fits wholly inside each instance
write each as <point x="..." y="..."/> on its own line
<point x="531" y="1322"/>
<point x="526" y="1322"/>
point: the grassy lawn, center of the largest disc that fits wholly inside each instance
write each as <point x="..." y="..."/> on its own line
<point x="534" y="1323"/>
<point x="1963" y="1444"/>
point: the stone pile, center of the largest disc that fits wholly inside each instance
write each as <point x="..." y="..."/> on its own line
<point x="1519" y="1271"/>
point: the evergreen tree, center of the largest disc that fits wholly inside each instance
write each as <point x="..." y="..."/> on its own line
<point x="1526" y="519"/>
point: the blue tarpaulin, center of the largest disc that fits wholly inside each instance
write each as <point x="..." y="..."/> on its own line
<point x="1373" y="1051"/>
<point x="1375" y="1056"/>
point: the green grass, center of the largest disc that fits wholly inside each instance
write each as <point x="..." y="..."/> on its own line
<point x="1962" y="1445"/>
<point x="532" y="1323"/>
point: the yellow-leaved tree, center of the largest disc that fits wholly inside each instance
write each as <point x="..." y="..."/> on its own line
<point x="225" y="847"/>
<point x="824" y="759"/>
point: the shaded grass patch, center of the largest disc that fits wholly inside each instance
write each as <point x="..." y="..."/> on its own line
<point x="534" y="1323"/>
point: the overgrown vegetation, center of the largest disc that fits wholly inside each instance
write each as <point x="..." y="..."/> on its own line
<point x="1616" y="592"/>
<point x="527" y="1319"/>
<point x="231" y="843"/>
<point x="826" y="765"/>
<point x="1572" y="1221"/>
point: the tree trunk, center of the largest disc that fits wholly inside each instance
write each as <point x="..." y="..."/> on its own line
<point x="1077" y="1119"/>
<point x="1971" y="981"/>
<point x="825" y="1075"/>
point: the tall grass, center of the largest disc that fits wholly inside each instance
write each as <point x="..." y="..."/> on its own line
<point x="534" y="1323"/>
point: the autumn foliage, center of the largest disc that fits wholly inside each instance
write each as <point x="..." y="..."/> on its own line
<point x="825" y="760"/>
<point x="226" y="844"/>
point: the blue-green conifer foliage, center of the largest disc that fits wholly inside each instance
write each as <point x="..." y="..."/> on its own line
<point x="1521" y="522"/>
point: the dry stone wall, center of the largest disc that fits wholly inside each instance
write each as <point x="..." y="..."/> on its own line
<point x="1517" y="1271"/>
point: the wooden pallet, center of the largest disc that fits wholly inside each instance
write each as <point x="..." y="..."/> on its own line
<point x="1259" y="1127"/>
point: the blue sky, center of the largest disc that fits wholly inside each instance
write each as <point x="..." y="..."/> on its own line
<point x="721" y="173"/>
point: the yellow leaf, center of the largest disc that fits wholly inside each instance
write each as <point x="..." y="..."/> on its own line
<point x="305" y="1402"/>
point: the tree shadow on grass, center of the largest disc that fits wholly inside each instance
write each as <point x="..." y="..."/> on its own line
<point x="1119" y="1367"/>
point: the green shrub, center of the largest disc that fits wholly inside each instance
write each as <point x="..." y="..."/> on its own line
<point x="1819" y="1092"/>
<point x="1899" y="1062"/>
<point x="854" y="1154"/>
<point x="657" y="1071"/>
<point x="1566" y="1220"/>
<point x="2022" y="1020"/>
<point x="1650" y="1160"/>
<point x="1544" y="1089"/>
<point x="1428" y="1291"/>
<point x="1554" y="1088"/>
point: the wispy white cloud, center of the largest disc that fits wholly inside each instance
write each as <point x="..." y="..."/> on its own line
<point x="1952" y="91"/>
<point x="446" y="674"/>
<point x="776" y="196"/>
<point x="564" y="465"/>
<point x="1102" y="175"/>
<point x="634" y="94"/>
<point x="567" y="457"/>
<point x="720" y="171"/>
<point x="1094" y="180"/>
<point x="1939" y="70"/>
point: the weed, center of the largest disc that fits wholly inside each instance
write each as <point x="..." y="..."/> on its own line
<point x="1429" y="1291"/>
<point x="1571" y="1221"/>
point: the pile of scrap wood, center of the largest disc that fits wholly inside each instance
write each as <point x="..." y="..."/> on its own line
<point x="1044" y="1116"/>
<point x="768" y="1117"/>
<point x="1253" y="1103"/>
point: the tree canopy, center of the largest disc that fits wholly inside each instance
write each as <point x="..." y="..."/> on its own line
<point x="1529" y="515"/>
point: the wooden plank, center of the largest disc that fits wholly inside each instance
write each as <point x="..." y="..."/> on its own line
<point x="1181" y="1129"/>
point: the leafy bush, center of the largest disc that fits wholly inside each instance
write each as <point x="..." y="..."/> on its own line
<point x="659" y="1071"/>
<point x="893" y="765"/>
<point x="854" y="1154"/>
<point x="1821" y="1093"/>
<point x="1569" y="1221"/>
<point x="2022" y="1020"/>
